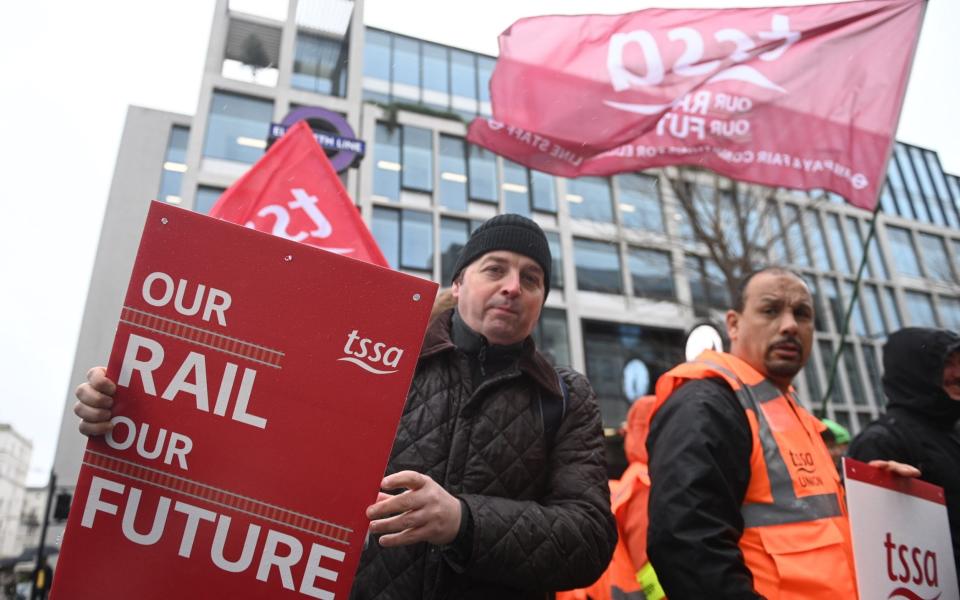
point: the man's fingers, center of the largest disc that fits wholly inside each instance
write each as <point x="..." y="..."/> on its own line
<point x="897" y="468"/>
<point x="89" y="396"/>
<point x="97" y="377"/>
<point x="410" y="480"/>
<point x="91" y="414"/>
<point x="387" y="505"/>
<point x="94" y="429"/>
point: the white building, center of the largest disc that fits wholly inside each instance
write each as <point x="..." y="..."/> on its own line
<point x="15" y="451"/>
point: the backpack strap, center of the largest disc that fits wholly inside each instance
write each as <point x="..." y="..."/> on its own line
<point x="554" y="410"/>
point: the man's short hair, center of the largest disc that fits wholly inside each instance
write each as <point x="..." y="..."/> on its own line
<point x="740" y="293"/>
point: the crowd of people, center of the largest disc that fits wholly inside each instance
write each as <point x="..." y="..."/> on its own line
<point x="500" y="456"/>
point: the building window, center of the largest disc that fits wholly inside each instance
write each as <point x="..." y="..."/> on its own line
<point x="856" y="317"/>
<point x="909" y="178"/>
<point x="818" y="244"/>
<point x="855" y="243"/>
<point x="886" y="200"/>
<point x="899" y="190"/>
<point x="485" y="66"/>
<point x="853" y="376"/>
<point x="893" y="310"/>
<point x="920" y="309"/>
<point x="516" y="189"/>
<point x="873" y="373"/>
<point x="320" y="64"/>
<point x="778" y="242"/>
<point x="463" y="82"/>
<point x="551" y="337"/>
<point x="929" y="195"/>
<point x="826" y="355"/>
<point x="834" y="303"/>
<point x="950" y="313"/>
<point x="640" y="206"/>
<point x="483" y="174"/>
<point x="206" y="197"/>
<point x="406" y="68"/>
<point x="878" y="324"/>
<point x="556" y="263"/>
<point x="453" y="174"/>
<point x="417" y="159"/>
<point x="651" y="273"/>
<point x="453" y="237"/>
<point x="252" y="52"/>
<point x="174" y="165"/>
<point x="624" y="362"/>
<point x="386" y="171"/>
<point x="598" y="266"/>
<point x="708" y="286"/>
<point x="405" y="237"/>
<point x="838" y="244"/>
<point x="376" y="66"/>
<point x="544" y="192"/>
<point x="819" y="321"/>
<point x="936" y="263"/>
<point x="237" y="127"/>
<point x="904" y="256"/>
<point x="796" y="241"/>
<point x="435" y="76"/>
<point x="589" y="198"/>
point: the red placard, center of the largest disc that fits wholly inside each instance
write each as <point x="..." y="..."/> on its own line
<point x="801" y="96"/>
<point x="260" y="383"/>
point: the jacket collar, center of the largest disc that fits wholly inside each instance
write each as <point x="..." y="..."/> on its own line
<point x="438" y="339"/>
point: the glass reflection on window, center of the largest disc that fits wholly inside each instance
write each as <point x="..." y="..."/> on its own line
<point x="598" y="266"/>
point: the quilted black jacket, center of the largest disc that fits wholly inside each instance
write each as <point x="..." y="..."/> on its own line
<point x="541" y="517"/>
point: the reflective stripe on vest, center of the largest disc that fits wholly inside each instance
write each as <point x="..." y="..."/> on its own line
<point x="786" y="506"/>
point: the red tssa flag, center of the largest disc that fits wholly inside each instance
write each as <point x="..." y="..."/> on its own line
<point x="293" y="192"/>
<point x="801" y="97"/>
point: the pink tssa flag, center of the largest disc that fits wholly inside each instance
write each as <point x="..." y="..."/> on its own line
<point x="293" y="192"/>
<point x="802" y="97"/>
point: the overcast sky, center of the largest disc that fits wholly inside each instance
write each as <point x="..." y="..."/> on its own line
<point x="70" y="69"/>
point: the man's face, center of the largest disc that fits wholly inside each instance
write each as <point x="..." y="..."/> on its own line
<point x="951" y="375"/>
<point x="500" y="296"/>
<point x="774" y="332"/>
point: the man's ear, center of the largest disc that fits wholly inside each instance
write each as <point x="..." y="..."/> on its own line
<point x="455" y="288"/>
<point x="733" y="324"/>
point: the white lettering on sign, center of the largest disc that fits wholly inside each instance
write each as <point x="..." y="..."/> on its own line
<point x="191" y="379"/>
<point x="217" y="301"/>
<point x="305" y="202"/>
<point x="689" y="63"/>
<point x="367" y="351"/>
<point x="281" y="554"/>
<point x="178" y="446"/>
<point x="924" y="563"/>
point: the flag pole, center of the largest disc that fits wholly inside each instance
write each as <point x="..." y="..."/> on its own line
<point x="873" y="228"/>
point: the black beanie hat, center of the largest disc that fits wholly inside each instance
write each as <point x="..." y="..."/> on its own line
<point x="508" y="232"/>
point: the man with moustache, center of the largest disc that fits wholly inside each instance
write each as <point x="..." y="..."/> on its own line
<point x="745" y="501"/>
<point x="921" y="380"/>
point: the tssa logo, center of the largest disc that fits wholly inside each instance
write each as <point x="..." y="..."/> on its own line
<point x="918" y="566"/>
<point x="368" y="353"/>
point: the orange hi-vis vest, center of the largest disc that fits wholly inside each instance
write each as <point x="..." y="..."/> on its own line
<point x="619" y="581"/>
<point x="629" y="576"/>
<point x="796" y="538"/>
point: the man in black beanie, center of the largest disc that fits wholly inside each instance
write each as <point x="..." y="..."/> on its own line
<point x="501" y="455"/>
<point x="498" y="459"/>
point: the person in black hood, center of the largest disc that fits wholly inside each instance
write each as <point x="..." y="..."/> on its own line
<point x="921" y="380"/>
